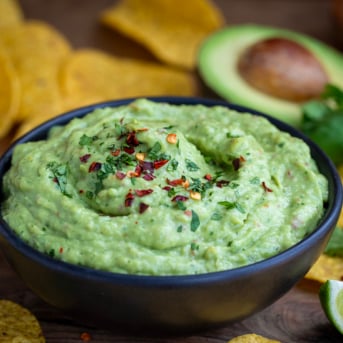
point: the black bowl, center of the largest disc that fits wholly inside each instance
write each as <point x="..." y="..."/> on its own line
<point x="168" y="303"/>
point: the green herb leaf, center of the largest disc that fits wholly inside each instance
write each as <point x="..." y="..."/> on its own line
<point x="87" y="140"/>
<point x="181" y="205"/>
<point x="194" y="246"/>
<point x="59" y="172"/>
<point x="230" y="205"/>
<point x="154" y="151"/>
<point x="191" y="166"/>
<point x="172" y="165"/>
<point x="195" y="222"/>
<point x="255" y="181"/>
<point x="323" y="122"/>
<point x="216" y="216"/>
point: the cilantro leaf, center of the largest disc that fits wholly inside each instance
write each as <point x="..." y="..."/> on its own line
<point x="323" y="122"/>
<point x="195" y="222"/>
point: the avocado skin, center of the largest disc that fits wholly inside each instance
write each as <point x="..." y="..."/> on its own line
<point x="217" y="65"/>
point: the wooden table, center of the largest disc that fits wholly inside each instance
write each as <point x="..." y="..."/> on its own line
<point x="295" y="318"/>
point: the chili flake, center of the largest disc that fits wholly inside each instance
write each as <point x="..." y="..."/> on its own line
<point x="180" y="198"/>
<point x="95" y="166"/>
<point x="120" y="175"/>
<point x="237" y="162"/>
<point x="172" y="138"/>
<point x="115" y="152"/>
<point x="266" y="189"/>
<point x="143" y="192"/>
<point x="85" y="336"/>
<point x="85" y="158"/>
<point x="143" y="207"/>
<point x="160" y="163"/>
<point x="129" y="199"/>
<point x="195" y="195"/>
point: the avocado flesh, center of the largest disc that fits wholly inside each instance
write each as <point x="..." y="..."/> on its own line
<point x="218" y="59"/>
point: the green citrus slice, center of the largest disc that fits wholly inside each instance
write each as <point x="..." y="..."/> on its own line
<point x="331" y="298"/>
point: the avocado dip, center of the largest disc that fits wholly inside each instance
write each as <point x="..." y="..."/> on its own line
<point x="159" y="189"/>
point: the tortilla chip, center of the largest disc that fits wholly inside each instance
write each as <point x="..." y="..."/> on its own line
<point x="36" y="50"/>
<point x="252" y="338"/>
<point x="171" y="29"/>
<point x="326" y="268"/>
<point x="18" y="325"/>
<point x="90" y="76"/>
<point x="9" y="94"/>
<point x="10" y="13"/>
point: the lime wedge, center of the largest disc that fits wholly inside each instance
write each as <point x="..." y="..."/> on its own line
<point x="331" y="299"/>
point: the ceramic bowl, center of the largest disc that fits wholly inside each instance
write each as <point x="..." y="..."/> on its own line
<point x="170" y="304"/>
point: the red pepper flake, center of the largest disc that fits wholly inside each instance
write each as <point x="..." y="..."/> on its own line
<point x="148" y="177"/>
<point x="129" y="199"/>
<point x="266" y="189"/>
<point x="208" y="177"/>
<point x="237" y="162"/>
<point x="85" y="158"/>
<point x="115" y="152"/>
<point x="61" y="250"/>
<point x="160" y="163"/>
<point x="85" y="336"/>
<point x="131" y="139"/>
<point x="188" y="213"/>
<point x="180" y="198"/>
<point x="167" y="188"/>
<point x="81" y="191"/>
<point x="120" y="175"/>
<point x="129" y="150"/>
<point x="222" y="183"/>
<point x="147" y="166"/>
<point x="143" y="207"/>
<point x="176" y="182"/>
<point x="143" y="192"/>
<point x="138" y="170"/>
<point x="55" y="180"/>
<point x="95" y="166"/>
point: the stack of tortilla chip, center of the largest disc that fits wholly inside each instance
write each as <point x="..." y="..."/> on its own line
<point x="171" y="29"/>
<point x="41" y="75"/>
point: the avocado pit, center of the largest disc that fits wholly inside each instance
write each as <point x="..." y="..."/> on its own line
<point x="283" y="69"/>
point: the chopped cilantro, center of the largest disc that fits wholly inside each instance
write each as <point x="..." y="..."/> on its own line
<point x="154" y="151"/>
<point x="230" y="205"/>
<point x="191" y="166"/>
<point x="181" y="205"/>
<point x="172" y="165"/>
<point x="255" y="181"/>
<point x="194" y="246"/>
<point x="216" y="216"/>
<point x="195" y="222"/>
<point x="120" y="129"/>
<point x="87" y="140"/>
<point x="60" y="173"/>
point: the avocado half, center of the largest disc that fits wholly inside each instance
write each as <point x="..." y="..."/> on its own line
<point x="218" y="60"/>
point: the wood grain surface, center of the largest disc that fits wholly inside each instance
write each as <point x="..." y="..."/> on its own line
<point x="295" y="318"/>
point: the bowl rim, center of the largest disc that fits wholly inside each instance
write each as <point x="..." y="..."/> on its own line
<point x="328" y="220"/>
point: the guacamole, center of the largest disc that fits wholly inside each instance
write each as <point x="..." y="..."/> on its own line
<point x="159" y="189"/>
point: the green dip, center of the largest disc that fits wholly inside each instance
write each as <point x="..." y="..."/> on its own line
<point x="161" y="189"/>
